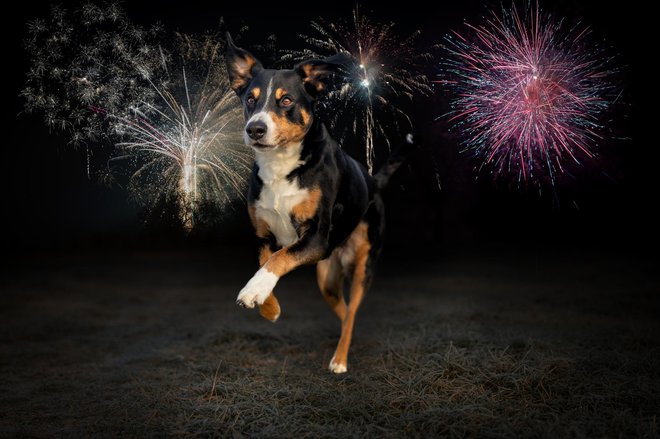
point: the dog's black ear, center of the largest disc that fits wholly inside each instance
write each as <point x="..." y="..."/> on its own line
<point x="316" y="73"/>
<point x="242" y="66"/>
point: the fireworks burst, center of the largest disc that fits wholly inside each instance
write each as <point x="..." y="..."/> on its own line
<point x="191" y="144"/>
<point x="529" y="92"/>
<point x="169" y="115"/>
<point x="385" y="67"/>
<point x="92" y="56"/>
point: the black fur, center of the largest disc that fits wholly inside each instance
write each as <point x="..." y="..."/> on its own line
<point x="349" y="194"/>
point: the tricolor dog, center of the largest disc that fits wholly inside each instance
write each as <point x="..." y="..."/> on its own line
<point x="309" y="202"/>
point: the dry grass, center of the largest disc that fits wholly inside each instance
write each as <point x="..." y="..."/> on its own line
<point x="150" y="345"/>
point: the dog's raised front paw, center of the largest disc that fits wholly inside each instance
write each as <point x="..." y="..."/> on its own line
<point x="257" y="289"/>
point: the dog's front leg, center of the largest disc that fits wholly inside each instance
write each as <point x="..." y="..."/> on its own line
<point x="310" y="248"/>
<point x="270" y="309"/>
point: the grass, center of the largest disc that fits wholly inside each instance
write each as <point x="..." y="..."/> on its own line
<point x="145" y="345"/>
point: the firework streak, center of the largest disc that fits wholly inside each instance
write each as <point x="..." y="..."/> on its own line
<point x="170" y="116"/>
<point x="386" y="69"/>
<point x="193" y="146"/>
<point x="528" y="93"/>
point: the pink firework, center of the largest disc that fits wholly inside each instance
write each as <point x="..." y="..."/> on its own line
<point x="528" y="93"/>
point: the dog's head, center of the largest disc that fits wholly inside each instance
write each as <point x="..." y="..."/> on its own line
<point x="277" y="104"/>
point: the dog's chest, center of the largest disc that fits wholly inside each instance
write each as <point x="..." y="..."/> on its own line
<point x="279" y="195"/>
<point x="274" y="206"/>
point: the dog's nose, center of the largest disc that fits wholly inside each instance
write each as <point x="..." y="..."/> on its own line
<point x="256" y="130"/>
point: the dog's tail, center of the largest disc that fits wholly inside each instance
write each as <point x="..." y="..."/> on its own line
<point x="396" y="159"/>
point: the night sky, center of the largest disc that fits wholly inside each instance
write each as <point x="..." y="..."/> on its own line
<point x="49" y="202"/>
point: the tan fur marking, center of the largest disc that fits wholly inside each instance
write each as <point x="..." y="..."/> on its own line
<point x="237" y="83"/>
<point x="287" y="131"/>
<point x="318" y="85"/>
<point x="308" y="69"/>
<point x="279" y="93"/>
<point x="270" y="309"/>
<point x="306" y="116"/>
<point x="261" y="228"/>
<point x="243" y="68"/>
<point x="359" y="241"/>
<point x="311" y="76"/>
<point x="330" y="278"/>
<point x="307" y="208"/>
<point x="283" y="261"/>
<point x="264" y="254"/>
<point x="256" y="92"/>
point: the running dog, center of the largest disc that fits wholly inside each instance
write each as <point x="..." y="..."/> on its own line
<point x="309" y="202"/>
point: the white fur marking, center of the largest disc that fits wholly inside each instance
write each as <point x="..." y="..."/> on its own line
<point x="269" y="90"/>
<point x="271" y="128"/>
<point x="337" y="367"/>
<point x="276" y="163"/>
<point x="278" y="194"/>
<point x="257" y="289"/>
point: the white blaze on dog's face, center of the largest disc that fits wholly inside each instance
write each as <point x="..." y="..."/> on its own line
<point x="277" y="112"/>
<point x="277" y="104"/>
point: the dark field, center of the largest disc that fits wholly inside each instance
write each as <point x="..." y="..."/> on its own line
<point x="151" y="344"/>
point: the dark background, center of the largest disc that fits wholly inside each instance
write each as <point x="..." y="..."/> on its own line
<point x="49" y="202"/>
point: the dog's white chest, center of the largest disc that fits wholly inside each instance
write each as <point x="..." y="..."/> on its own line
<point x="279" y="195"/>
<point x="274" y="207"/>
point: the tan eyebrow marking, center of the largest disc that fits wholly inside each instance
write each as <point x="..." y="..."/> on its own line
<point x="279" y="93"/>
<point x="256" y="91"/>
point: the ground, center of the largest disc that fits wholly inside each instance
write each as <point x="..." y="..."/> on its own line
<point x="151" y="343"/>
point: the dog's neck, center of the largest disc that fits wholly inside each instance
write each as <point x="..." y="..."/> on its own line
<point x="276" y="164"/>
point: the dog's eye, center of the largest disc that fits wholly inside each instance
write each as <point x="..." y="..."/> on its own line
<point x="250" y="101"/>
<point x="286" y="101"/>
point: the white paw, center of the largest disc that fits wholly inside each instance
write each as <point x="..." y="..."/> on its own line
<point x="337" y="367"/>
<point x="257" y="289"/>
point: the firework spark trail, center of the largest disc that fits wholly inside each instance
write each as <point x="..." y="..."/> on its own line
<point x="528" y="92"/>
<point x="170" y="116"/>
<point x="198" y="137"/>
<point x="386" y="68"/>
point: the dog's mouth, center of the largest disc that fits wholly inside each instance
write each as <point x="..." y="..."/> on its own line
<point x="260" y="145"/>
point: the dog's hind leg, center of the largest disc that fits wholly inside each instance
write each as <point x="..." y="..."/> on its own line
<point x="356" y="260"/>
<point x="270" y="309"/>
<point x="330" y="277"/>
